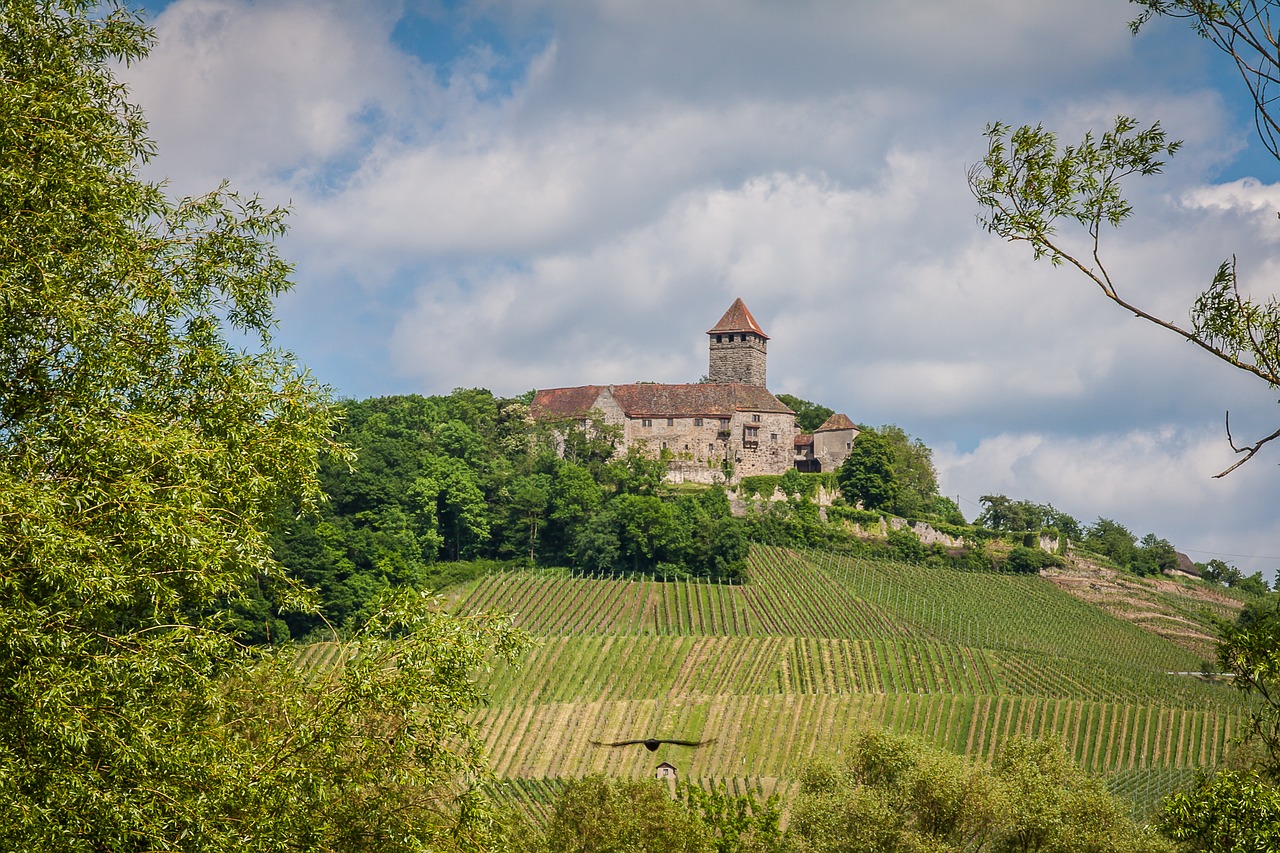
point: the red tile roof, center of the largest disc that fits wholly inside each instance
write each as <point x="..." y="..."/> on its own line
<point x="737" y="319"/>
<point x="803" y="440"/>
<point x="556" y="403"/>
<point x="652" y="400"/>
<point x="713" y="399"/>
<point x="836" y="422"/>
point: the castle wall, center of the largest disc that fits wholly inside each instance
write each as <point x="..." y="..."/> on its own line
<point x="764" y="446"/>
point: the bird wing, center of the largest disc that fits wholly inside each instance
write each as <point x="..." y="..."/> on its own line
<point x="689" y="742"/>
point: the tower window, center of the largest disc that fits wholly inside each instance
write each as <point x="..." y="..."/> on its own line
<point x="671" y="421"/>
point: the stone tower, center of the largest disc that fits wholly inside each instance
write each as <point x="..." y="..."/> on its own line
<point x="738" y="347"/>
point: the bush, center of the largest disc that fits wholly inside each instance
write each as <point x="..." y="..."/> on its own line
<point x="1029" y="560"/>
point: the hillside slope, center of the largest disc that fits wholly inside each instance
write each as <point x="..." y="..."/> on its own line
<point x="788" y="666"/>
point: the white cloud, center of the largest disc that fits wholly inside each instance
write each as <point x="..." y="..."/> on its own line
<point x="581" y="207"/>
<point x="250" y="90"/>
<point x="1156" y="480"/>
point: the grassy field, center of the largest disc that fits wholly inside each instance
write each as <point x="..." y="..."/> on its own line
<point x="789" y="666"/>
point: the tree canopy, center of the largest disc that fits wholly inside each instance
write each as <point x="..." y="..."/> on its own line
<point x="143" y="455"/>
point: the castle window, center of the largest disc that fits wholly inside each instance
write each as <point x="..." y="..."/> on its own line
<point x="664" y="445"/>
<point x="717" y="339"/>
<point x="751" y="432"/>
<point x="773" y="436"/>
<point x="671" y="421"/>
<point x="697" y="421"/>
<point x="646" y="422"/>
<point x="755" y="419"/>
<point x="724" y="422"/>
<point x="711" y="448"/>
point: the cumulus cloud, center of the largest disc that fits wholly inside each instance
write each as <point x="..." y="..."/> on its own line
<point x="1156" y="480"/>
<point x="553" y="193"/>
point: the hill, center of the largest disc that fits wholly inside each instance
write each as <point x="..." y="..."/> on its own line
<point x="786" y="667"/>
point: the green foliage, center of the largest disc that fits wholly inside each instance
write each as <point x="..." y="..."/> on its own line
<point x="906" y="544"/>
<point x="947" y="511"/>
<point x="1251" y="649"/>
<point x="913" y="473"/>
<point x="601" y="815"/>
<point x="1030" y="560"/>
<point x="760" y="485"/>
<point x="740" y="823"/>
<point x="809" y="416"/>
<point x="1154" y="556"/>
<point x="897" y="793"/>
<point x="1229" y="812"/>
<point x="149" y="434"/>
<point x="1001" y="513"/>
<point x="867" y="476"/>
<point x="1027" y="186"/>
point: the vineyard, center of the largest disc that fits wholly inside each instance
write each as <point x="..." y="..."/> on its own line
<point x="789" y="666"/>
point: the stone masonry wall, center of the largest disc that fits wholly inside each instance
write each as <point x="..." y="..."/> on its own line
<point x="738" y="361"/>
<point x="764" y="446"/>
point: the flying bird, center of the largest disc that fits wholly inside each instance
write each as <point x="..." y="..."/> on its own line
<point x="651" y="743"/>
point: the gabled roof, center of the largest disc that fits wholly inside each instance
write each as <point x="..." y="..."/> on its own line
<point x="737" y="319"/>
<point x="557" y="403"/>
<point x="650" y="400"/>
<point x="702" y="399"/>
<point x="836" y="422"/>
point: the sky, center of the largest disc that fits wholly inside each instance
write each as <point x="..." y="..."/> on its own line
<point x="544" y="193"/>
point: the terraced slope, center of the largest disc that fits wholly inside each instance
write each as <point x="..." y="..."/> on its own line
<point x="788" y="666"/>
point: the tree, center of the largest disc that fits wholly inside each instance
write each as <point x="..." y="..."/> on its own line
<point x="143" y="454"/>
<point x="867" y="474"/>
<point x="599" y="815"/>
<point x="913" y="471"/>
<point x="898" y="793"/>
<point x="1250" y="648"/>
<point x="1111" y="539"/>
<point x="809" y="416"/>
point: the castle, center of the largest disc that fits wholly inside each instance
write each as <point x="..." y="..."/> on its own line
<point x="728" y="427"/>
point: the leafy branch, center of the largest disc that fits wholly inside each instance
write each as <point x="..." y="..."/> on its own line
<point x="1027" y="186"/>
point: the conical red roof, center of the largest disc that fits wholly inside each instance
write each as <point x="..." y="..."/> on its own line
<point x="737" y="319"/>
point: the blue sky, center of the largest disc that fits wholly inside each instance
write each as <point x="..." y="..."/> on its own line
<point x="540" y="193"/>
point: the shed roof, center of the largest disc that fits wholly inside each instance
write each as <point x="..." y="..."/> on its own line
<point x="737" y="319"/>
